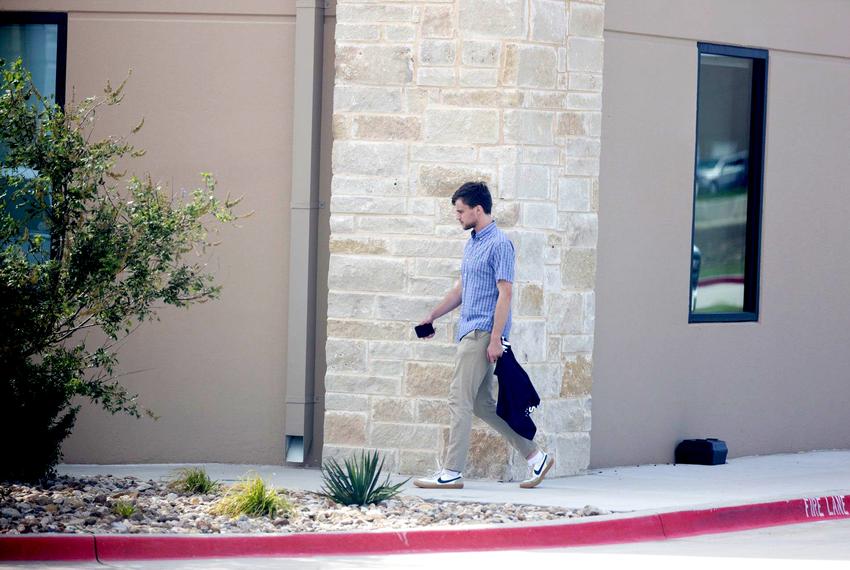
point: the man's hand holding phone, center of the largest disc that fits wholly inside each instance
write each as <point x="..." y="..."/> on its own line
<point x="424" y="329"/>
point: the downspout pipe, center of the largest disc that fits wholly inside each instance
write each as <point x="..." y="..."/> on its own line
<point x="303" y="236"/>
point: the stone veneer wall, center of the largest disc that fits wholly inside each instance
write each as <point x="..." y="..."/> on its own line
<point x="430" y="94"/>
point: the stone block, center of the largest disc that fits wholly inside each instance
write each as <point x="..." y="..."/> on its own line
<point x="443" y="153"/>
<point x="546" y="155"/>
<point x="341" y="224"/>
<point x="433" y="411"/>
<point x="358" y="245"/>
<point x="572" y="453"/>
<point x="364" y="204"/>
<point x="436" y="77"/>
<point x="362" y="384"/>
<point x="546" y="378"/>
<point x="574" y="344"/>
<point x="429" y="286"/>
<point x="403" y="308"/>
<point x="373" y="330"/>
<point x="542" y="215"/>
<point x="572" y="123"/>
<point x="390" y="349"/>
<point x="582" y="147"/>
<point x="443" y="181"/>
<point x="353" y="273"/>
<point x="537" y="67"/>
<point x="481" y="53"/>
<point x="417" y="99"/>
<point x="584" y="54"/>
<point x="586" y="20"/>
<point x="344" y="355"/>
<point x="391" y="410"/>
<point x="564" y="313"/>
<point x="340" y="402"/>
<point x="378" y="127"/>
<point x="350" y="305"/>
<point x="530" y="300"/>
<point x="580" y="230"/>
<point x="420" y="247"/>
<point x="528" y="340"/>
<point x="479" y="77"/>
<point x="506" y="214"/>
<point x="428" y="380"/>
<point x="437" y="22"/>
<point x="584" y="101"/>
<point x="438" y="268"/>
<point x="345" y="428"/>
<point x="376" y="64"/>
<point x="357" y="32"/>
<point x="415" y="462"/>
<point x="462" y="126"/>
<point x="581" y="166"/>
<point x="367" y="186"/>
<point x="545" y="100"/>
<point x="574" y="194"/>
<point x="510" y="65"/>
<point x="399" y="32"/>
<point x="386" y="367"/>
<point x="362" y="12"/>
<point x="532" y="182"/>
<point x="404" y="436"/>
<point x="369" y="158"/>
<point x="585" y="82"/>
<point x="529" y="247"/>
<point x="578" y="268"/>
<point x="437" y="52"/>
<point x="395" y="225"/>
<point x="577" y="380"/>
<point x="492" y="18"/>
<point x="528" y="127"/>
<point x="363" y="99"/>
<point x="564" y="415"/>
<point x="549" y="21"/>
<point x="589" y="307"/>
<point x="488" y="455"/>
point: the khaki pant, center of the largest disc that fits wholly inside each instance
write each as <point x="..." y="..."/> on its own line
<point x="472" y="392"/>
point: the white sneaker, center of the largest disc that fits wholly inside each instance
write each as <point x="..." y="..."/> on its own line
<point x="538" y="472"/>
<point x="440" y="480"/>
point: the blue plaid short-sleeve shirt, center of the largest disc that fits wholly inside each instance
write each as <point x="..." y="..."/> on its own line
<point x="487" y="258"/>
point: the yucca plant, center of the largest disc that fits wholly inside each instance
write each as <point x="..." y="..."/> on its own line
<point x="252" y="497"/>
<point x="193" y="480"/>
<point x="356" y="481"/>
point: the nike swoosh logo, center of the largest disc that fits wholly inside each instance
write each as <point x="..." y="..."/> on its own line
<point x="440" y="480"/>
<point x="542" y="465"/>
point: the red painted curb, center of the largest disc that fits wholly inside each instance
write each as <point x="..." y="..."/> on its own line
<point x="69" y="547"/>
<point x="110" y="548"/>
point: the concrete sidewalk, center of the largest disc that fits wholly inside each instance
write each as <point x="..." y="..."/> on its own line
<point x="647" y="489"/>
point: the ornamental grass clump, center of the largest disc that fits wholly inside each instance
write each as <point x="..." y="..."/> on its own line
<point x="356" y="481"/>
<point x="252" y="497"/>
<point x="193" y="480"/>
<point x="123" y="509"/>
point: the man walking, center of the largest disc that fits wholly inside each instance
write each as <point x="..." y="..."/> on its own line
<point x="484" y="296"/>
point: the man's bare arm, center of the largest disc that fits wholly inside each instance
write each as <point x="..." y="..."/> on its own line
<point x="500" y="317"/>
<point x="449" y="303"/>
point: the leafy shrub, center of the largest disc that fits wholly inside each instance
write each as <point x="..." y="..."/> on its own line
<point x="357" y="483"/>
<point x="80" y="252"/>
<point x="193" y="480"/>
<point x="251" y="497"/>
<point x="123" y="509"/>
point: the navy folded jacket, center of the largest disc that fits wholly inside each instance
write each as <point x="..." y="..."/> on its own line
<point x="517" y="396"/>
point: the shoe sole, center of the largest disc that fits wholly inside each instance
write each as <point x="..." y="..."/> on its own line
<point x="437" y="486"/>
<point x="536" y="481"/>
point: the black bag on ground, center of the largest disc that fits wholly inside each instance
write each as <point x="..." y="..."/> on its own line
<point x="708" y="451"/>
<point x="517" y="396"/>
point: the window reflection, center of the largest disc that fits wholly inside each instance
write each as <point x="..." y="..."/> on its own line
<point x="722" y="181"/>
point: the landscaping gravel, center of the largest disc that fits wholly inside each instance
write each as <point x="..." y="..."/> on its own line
<point x="88" y="505"/>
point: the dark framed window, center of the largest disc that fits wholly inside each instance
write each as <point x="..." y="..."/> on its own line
<point x="39" y="39"/>
<point x="728" y="174"/>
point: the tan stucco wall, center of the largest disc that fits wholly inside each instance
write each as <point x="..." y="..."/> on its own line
<point x="781" y="384"/>
<point x="214" y="82"/>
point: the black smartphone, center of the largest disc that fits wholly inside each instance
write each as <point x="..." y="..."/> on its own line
<point x="424" y="330"/>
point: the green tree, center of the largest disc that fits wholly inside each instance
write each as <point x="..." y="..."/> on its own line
<point x="82" y="249"/>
